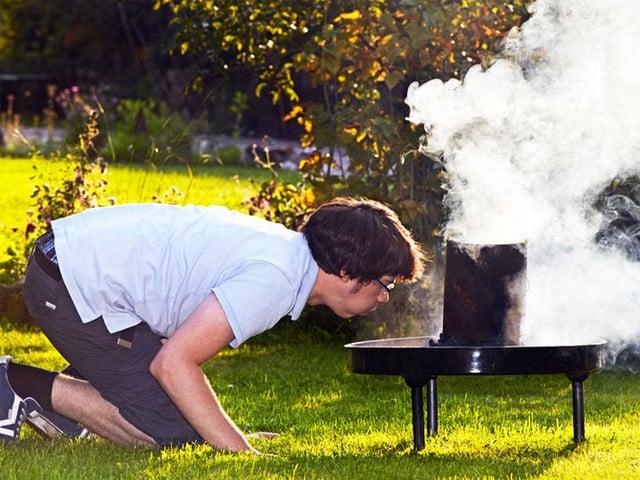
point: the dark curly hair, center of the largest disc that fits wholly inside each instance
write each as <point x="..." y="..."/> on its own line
<point x="364" y="239"/>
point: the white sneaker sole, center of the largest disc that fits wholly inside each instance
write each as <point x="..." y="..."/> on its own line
<point x="43" y="425"/>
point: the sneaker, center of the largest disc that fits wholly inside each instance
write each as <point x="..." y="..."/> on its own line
<point x="38" y="421"/>
<point x="50" y="424"/>
<point x="12" y="407"/>
<point x="14" y="411"/>
<point x="70" y="428"/>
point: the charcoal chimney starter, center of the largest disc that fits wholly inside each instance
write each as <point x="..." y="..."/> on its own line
<point x="484" y="293"/>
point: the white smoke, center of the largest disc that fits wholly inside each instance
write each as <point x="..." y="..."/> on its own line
<point x="528" y="143"/>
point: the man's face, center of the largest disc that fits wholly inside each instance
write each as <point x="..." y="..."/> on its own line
<point x="357" y="298"/>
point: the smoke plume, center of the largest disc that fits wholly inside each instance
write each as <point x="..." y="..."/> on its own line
<point x="530" y="143"/>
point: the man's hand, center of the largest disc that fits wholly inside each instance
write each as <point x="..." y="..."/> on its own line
<point x="267" y="435"/>
<point x="177" y="367"/>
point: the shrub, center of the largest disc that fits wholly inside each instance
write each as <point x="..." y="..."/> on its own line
<point x="75" y="182"/>
<point x="146" y="131"/>
<point x="228" y="156"/>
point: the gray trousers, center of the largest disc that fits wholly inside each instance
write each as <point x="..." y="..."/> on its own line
<point x="120" y="374"/>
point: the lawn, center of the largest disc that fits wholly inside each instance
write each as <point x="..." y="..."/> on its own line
<point x="334" y="424"/>
<point x="201" y="185"/>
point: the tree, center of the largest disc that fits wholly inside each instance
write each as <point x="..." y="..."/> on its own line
<point x="342" y="68"/>
<point x="119" y="46"/>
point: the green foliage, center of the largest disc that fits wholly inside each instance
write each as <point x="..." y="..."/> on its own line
<point x="143" y="131"/>
<point x="74" y="183"/>
<point x="229" y="36"/>
<point x="228" y="155"/>
<point x="120" y="44"/>
<point x="239" y="105"/>
<point x="130" y="130"/>
<point x="355" y="59"/>
<point x="81" y="186"/>
<point x="14" y="261"/>
<point x="284" y="202"/>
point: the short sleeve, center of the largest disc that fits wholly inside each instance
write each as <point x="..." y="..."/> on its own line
<point x="254" y="298"/>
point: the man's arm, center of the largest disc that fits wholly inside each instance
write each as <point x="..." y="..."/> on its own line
<point x="177" y="367"/>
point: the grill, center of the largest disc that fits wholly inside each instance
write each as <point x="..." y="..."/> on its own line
<point x="482" y="309"/>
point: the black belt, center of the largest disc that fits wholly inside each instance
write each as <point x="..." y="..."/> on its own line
<point x="47" y="265"/>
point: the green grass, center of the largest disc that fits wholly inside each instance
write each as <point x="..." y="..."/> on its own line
<point x="207" y="185"/>
<point x="335" y="424"/>
<point x="203" y="185"/>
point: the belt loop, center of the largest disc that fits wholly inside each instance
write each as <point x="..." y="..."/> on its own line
<point x="125" y="338"/>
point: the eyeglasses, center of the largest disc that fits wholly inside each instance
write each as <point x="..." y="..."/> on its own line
<point x="386" y="288"/>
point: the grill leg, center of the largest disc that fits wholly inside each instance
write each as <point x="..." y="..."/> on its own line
<point x="417" y="408"/>
<point x="418" y="417"/>
<point x="577" y="381"/>
<point x="432" y="406"/>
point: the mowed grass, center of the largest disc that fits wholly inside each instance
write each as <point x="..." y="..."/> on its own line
<point x="199" y="185"/>
<point x="334" y="424"/>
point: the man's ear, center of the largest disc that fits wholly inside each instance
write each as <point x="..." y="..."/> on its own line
<point x="354" y="285"/>
<point x="343" y="276"/>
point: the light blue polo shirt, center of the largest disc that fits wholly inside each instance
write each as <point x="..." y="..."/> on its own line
<point x="155" y="263"/>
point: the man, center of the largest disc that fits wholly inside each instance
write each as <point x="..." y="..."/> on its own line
<point x="137" y="297"/>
